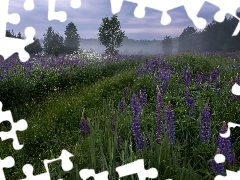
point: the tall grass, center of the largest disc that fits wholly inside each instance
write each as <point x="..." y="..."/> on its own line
<point x="54" y="119"/>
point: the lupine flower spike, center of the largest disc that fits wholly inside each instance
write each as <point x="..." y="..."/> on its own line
<point x="206" y="124"/>
<point x="217" y="168"/>
<point x="225" y="143"/>
<point x="84" y="126"/>
<point x="169" y="123"/>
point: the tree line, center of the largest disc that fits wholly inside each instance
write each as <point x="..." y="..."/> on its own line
<point x="214" y="37"/>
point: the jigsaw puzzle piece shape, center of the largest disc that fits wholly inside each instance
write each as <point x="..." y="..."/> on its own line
<point x="226" y="7"/>
<point x="28" y="171"/>
<point x="13" y="45"/>
<point x="28" y="5"/>
<point x="67" y="165"/>
<point x="76" y="4"/>
<point x="53" y="15"/>
<point x="137" y="167"/>
<point x="8" y="162"/>
<point x="160" y="5"/>
<point x="5" y="17"/>
<point x="116" y="5"/>
<point x="21" y="125"/>
<point x="192" y="8"/>
<point x="87" y="173"/>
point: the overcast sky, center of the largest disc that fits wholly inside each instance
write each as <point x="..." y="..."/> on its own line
<point x="89" y="17"/>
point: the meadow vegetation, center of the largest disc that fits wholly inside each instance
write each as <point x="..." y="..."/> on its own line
<point x="167" y="110"/>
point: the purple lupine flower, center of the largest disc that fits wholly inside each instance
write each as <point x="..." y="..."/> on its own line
<point x="206" y="123"/>
<point x="233" y="159"/>
<point x="225" y="143"/>
<point x="187" y="76"/>
<point x="218" y="87"/>
<point x="198" y="81"/>
<point x="186" y="92"/>
<point x="136" y="128"/>
<point x="158" y="118"/>
<point x="217" y="168"/>
<point x="215" y="74"/>
<point x="190" y="103"/>
<point x="147" y="64"/>
<point x="122" y="106"/>
<point x="84" y="127"/>
<point x="169" y="123"/>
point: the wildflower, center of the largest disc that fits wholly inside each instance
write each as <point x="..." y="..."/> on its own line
<point x="84" y="126"/>
<point x="214" y="74"/>
<point x="218" y="87"/>
<point x="136" y="128"/>
<point x="206" y="124"/>
<point x="187" y="76"/>
<point x="158" y="118"/>
<point x="143" y="97"/>
<point x="169" y="123"/>
<point x="198" y="81"/>
<point x="233" y="159"/>
<point x="225" y="143"/>
<point x="121" y="106"/>
<point x="217" y="168"/>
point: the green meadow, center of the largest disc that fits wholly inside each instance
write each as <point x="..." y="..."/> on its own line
<point x="55" y="95"/>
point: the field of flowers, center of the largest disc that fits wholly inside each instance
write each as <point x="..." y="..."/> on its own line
<point x="110" y="111"/>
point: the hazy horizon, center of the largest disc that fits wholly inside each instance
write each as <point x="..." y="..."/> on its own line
<point x="88" y="19"/>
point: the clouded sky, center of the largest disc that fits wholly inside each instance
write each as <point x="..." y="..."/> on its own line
<point x="89" y="17"/>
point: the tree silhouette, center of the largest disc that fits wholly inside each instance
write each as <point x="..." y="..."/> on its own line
<point x="167" y="45"/>
<point x="110" y="34"/>
<point x="72" y="39"/>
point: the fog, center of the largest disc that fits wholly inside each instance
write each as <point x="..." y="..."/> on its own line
<point x="129" y="46"/>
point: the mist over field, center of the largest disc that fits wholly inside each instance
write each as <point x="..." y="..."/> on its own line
<point x="130" y="46"/>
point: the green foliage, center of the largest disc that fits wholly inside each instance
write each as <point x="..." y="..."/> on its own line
<point x="167" y="45"/>
<point x="215" y="37"/>
<point x="110" y="34"/>
<point x="34" y="47"/>
<point x="51" y="39"/>
<point x="54" y="120"/>
<point x="187" y="40"/>
<point x="72" y="39"/>
<point x="55" y="51"/>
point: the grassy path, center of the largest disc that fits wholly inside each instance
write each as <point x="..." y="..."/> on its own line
<point x="53" y="124"/>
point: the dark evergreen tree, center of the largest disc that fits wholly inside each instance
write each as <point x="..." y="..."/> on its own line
<point x="51" y="39"/>
<point x="186" y="41"/>
<point x="34" y="47"/>
<point x="19" y="36"/>
<point x="72" y="39"/>
<point x="110" y="34"/>
<point x="10" y="33"/>
<point x="167" y="45"/>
